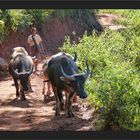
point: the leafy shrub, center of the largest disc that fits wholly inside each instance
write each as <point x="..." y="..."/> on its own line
<point x="19" y="20"/>
<point x="114" y="89"/>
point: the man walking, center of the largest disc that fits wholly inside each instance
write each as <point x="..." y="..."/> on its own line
<point x="35" y="46"/>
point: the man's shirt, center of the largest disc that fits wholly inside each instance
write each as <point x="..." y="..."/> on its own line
<point x="37" y="39"/>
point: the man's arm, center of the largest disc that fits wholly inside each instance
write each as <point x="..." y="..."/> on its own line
<point x="29" y="49"/>
<point x="42" y="47"/>
<point x="41" y="44"/>
<point x="29" y="45"/>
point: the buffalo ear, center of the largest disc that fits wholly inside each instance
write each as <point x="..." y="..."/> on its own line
<point x="65" y="80"/>
<point x="79" y="68"/>
<point x="13" y="49"/>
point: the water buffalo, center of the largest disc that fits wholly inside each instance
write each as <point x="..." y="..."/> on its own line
<point x="20" y="68"/>
<point x="62" y="73"/>
<point x="45" y="75"/>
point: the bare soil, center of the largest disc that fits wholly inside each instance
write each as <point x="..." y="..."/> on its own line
<point x="108" y="20"/>
<point x="36" y="115"/>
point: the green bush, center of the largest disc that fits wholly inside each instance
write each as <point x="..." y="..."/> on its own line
<point x="114" y="89"/>
<point x="18" y="20"/>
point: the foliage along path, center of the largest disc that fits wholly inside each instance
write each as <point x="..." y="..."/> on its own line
<point x="36" y="115"/>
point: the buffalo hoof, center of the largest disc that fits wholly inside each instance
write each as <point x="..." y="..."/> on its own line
<point x="45" y="99"/>
<point x="23" y="98"/>
<point x="17" y="95"/>
<point x="66" y="108"/>
<point x="43" y="92"/>
<point x="75" y="99"/>
<point x="62" y="107"/>
<point x="70" y="114"/>
<point x="57" y="113"/>
<point x="30" y="90"/>
<point x="13" y="84"/>
<point x="49" y="93"/>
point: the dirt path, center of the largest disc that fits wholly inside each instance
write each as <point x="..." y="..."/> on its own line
<point x="108" y="20"/>
<point x="34" y="114"/>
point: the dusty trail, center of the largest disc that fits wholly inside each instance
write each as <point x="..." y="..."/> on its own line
<point x="35" y="115"/>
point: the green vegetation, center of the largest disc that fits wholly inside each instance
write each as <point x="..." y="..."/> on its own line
<point x="114" y="59"/>
<point x="19" y="20"/>
<point x="78" y="15"/>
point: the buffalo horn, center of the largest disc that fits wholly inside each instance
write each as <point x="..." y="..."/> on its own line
<point x="30" y="72"/>
<point x="75" y="56"/>
<point x="16" y="73"/>
<point x="22" y="73"/>
<point x="65" y="75"/>
<point x="87" y="72"/>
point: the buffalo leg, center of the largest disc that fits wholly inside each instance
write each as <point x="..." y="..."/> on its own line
<point x="60" y="96"/>
<point x="75" y="100"/>
<point x="43" y="90"/>
<point x="48" y="91"/>
<point x="17" y="87"/>
<point x="22" y="94"/>
<point x="69" y="105"/>
<point x="30" y="86"/>
<point x="49" y="86"/>
<point x="66" y="101"/>
<point x="57" y="112"/>
<point x="36" y="65"/>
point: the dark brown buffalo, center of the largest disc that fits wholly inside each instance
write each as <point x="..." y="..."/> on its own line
<point x="20" y="68"/>
<point x="45" y="75"/>
<point x="63" y="75"/>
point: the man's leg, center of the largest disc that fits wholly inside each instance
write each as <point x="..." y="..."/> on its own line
<point x="38" y="59"/>
<point x="36" y="65"/>
<point x="33" y="53"/>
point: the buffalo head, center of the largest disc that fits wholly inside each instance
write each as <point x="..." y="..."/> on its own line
<point x="23" y="77"/>
<point x="75" y="82"/>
